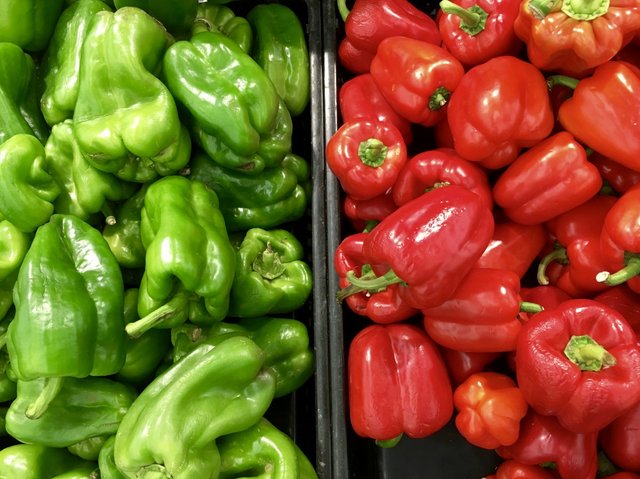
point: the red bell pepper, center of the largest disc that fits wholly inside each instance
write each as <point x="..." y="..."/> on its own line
<point x="398" y="383"/>
<point x="583" y="221"/>
<point x="366" y="156"/>
<point x="428" y="244"/>
<point x="498" y="108"/>
<point x="617" y="176"/>
<point x="623" y="300"/>
<point x="490" y="407"/>
<point x="604" y="107"/>
<point x="579" y="362"/>
<point x="575" y="36"/>
<point x="543" y="440"/>
<point x="475" y="31"/>
<point x="462" y="364"/>
<point x="514" y="247"/>
<point x="416" y="77"/>
<point x="436" y="167"/>
<point x="481" y="315"/>
<point x="511" y="469"/>
<point x="549" y="179"/>
<point x="371" y="21"/>
<point x="360" y="97"/>
<point x="385" y="306"/>
<point x="361" y="212"/>
<point x="621" y="442"/>
<point x="549" y="296"/>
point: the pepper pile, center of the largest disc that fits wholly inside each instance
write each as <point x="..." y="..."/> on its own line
<point x="150" y="276"/>
<point x="489" y="157"/>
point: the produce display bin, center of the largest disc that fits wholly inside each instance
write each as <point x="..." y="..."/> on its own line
<point x="444" y="455"/>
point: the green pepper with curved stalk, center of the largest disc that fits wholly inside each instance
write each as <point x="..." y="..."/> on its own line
<point x="219" y="18"/>
<point x="29" y="23"/>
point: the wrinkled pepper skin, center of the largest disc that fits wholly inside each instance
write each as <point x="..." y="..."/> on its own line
<point x="284" y="342"/>
<point x="126" y="121"/>
<point x="29" y="23"/>
<point x="177" y="16"/>
<point x="61" y="62"/>
<point x="243" y="124"/>
<point x="280" y="48"/>
<point x="262" y="451"/>
<point x="33" y="461"/>
<point x="212" y="17"/>
<point x="227" y="388"/>
<point x="84" y="408"/>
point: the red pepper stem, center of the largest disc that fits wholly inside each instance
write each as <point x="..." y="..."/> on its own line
<point x="342" y="8"/>
<point x="387" y="443"/>
<point x="473" y="20"/>
<point x="151" y="320"/>
<point x="368" y="282"/>
<point x="542" y="8"/>
<point x="631" y="269"/>
<point x="587" y="354"/>
<point x="372" y="152"/>
<point x="52" y="387"/>
<point x="562" y="80"/>
<point x="527" y="307"/>
<point x="559" y="255"/>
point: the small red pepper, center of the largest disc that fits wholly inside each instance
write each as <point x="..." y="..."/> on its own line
<point x="462" y="364"/>
<point x="371" y="21"/>
<point x="498" y="108"/>
<point x="511" y="469"/>
<point x="398" y="383"/>
<point x="360" y="97"/>
<point x="361" y="212"/>
<point x="579" y="362"/>
<point x="617" y="176"/>
<point x="490" y="407"/>
<point x="417" y="78"/>
<point x="621" y="442"/>
<point x="366" y="156"/>
<point x="481" y="315"/>
<point x="543" y="440"/>
<point x="475" y="31"/>
<point x="623" y="300"/>
<point x="428" y="244"/>
<point x="604" y="112"/>
<point x="575" y="36"/>
<point x="433" y="168"/>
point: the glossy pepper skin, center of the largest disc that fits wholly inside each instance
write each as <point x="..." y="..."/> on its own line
<point x="625" y="301"/>
<point x="262" y="449"/>
<point x="474" y="31"/>
<point x="271" y="275"/>
<point x="575" y="37"/>
<point x="107" y="462"/>
<point x="604" y="104"/>
<point x="27" y="189"/>
<point x="543" y="440"/>
<point x="511" y="469"/>
<point x="398" y="383"/>
<point x="498" y="108"/>
<point x="361" y="212"/>
<point x="580" y="363"/>
<point x="29" y="24"/>
<point x="212" y="17"/>
<point x="126" y="121"/>
<point x="619" y="440"/>
<point x="366" y="156"/>
<point x="429" y="244"/>
<point x="461" y="365"/>
<point x="369" y="22"/>
<point x="616" y="175"/>
<point x="416" y="77"/>
<point x="490" y="407"/>
<point x="280" y="48"/>
<point x="34" y="461"/>
<point x="61" y="62"/>
<point x="284" y="343"/>
<point x="177" y="16"/>
<point x="236" y="114"/>
<point x="227" y="386"/>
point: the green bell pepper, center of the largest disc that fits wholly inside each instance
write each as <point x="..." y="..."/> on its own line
<point x="262" y="452"/>
<point x="189" y="258"/>
<point x="61" y="62"/>
<point x="107" y="462"/>
<point x="271" y="198"/>
<point x="176" y="15"/>
<point x="69" y="308"/>
<point x="126" y="121"/>
<point x="284" y="342"/>
<point x="82" y="409"/>
<point x="236" y="114"/>
<point x="19" y="100"/>
<point x="14" y="245"/>
<point x="29" y="23"/>
<point x="88" y="449"/>
<point x="84" y="471"/>
<point x="271" y="276"/>
<point x="280" y="48"/>
<point x="171" y="428"/>
<point x="219" y="18"/>
<point x="84" y="190"/>
<point x="34" y="461"/>
<point x="27" y="190"/>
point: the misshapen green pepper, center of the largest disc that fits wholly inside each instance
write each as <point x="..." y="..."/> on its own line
<point x="212" y="17"/>
<point x="126" y="121"/>
<point x="29" y="23"/>
<point x="171" y="428"/>
<point x="33" y="461"/>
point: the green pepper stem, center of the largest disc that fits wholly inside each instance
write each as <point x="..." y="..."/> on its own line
<point x="559" y="255"/>
<point x="151" y="320"/>
<point x="472" y="20"/>
<point x="372" y="152"/>
<point x="439" y="98"/>
<point x="527" y="307"/>
<point x="585" y="10"/>
<point x="109" y="215"/>
<point x="370" y="225"/>
<point x="587" y="354"/>
<point x="542" y="8"/>
<point x="37" y="408"/>
<point x="369" y="282"/>
<point x="343" y="9"/>
<point x="268" y="263"/>
<point x="606" y="189"/>
<point x="562" y="80"/>
<point x="154" y="471"/>
<point x="631" y="269"/>
<point x="387" y="443"/>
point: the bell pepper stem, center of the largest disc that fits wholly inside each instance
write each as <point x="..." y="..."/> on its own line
<point x="367" y="283"/>
<point x="528" y="307"/>
<point x="151" y="320"/>
<point x="562" y="80"/>
<point x="542" y="8"/>
<point x="587" y="354"/>
<point x="559" y="255"/>
<point x="109" y="215"/>
<point x="439" y="98"/>
<point x="472" y="20"/>
<point x="37" y="408"/>
<point x="372" y="152"/>
<point x="631" y="269"/>
<point x="343" y="9"/>
<point x="268" y="263"/>
<point x="585" y="10"/>
<point x="387" y="443"/>
<point x="154" y="471"/>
